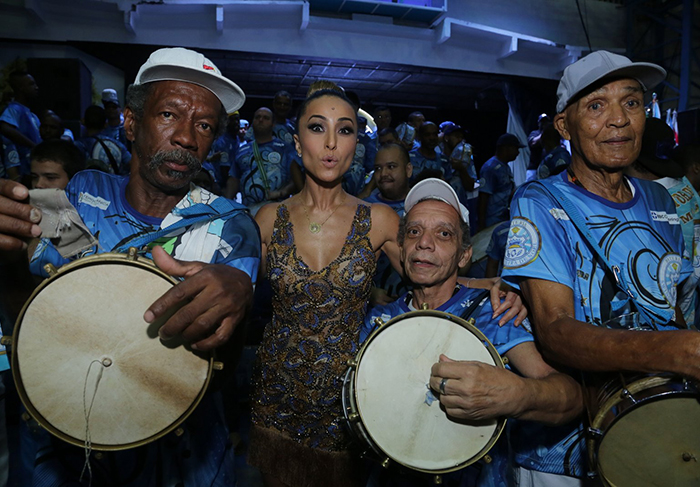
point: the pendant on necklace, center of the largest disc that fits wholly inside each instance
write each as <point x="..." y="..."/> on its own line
<point x="314" y="227"/>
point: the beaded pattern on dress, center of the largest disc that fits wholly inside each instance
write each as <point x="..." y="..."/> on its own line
<point x="314" y="331"/>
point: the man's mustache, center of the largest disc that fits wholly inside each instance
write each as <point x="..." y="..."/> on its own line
<point x="178" y="157"/>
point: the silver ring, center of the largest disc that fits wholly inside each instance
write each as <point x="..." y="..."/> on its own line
<point x="442" y="386"/>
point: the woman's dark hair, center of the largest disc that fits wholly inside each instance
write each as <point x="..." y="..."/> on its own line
<point x="321" y="93"/>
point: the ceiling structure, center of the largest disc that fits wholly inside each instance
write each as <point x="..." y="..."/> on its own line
<point x="413" y="87"/>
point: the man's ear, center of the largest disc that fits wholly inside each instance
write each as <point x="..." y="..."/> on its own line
<point x="466" y="257"/>
<point x="129" y="124"/>
<point x="561" y="125"/>
<point x="409" y="169"/>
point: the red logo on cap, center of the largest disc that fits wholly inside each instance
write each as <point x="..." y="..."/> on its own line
<point x="210" y="68"/>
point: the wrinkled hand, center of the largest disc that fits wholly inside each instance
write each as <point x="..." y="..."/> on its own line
<point x="18" y="220"/>
<point x="218" y="297"/>
<point x="475" y="390"/>
<point x="504" y="299"/>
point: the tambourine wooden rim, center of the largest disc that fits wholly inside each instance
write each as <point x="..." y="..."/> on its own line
<point x="498" y="362"/>
<point x="132" y="259"/>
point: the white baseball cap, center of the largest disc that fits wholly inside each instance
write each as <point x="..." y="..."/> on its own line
<point x="179" y="64"/>
<point x="599" y="65"/>
<point x="435" y="189"/>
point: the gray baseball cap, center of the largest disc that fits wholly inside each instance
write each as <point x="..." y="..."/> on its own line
<point x="179" y="64"/>
<point x="600" y="65"/>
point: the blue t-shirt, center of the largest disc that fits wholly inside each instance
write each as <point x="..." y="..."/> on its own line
<point x="10" y="157"/>
<point x="285" y="132"/>
<point x="93" y="149"/>
<point x="227" y="148"/>
<point x="496" y="181"/>
<point x="420" y="163"/>
<point x="117" y="133"/>
<point x="463" y="153"/>
<point x="27" y="123"/>
<point x="354" y="177"/>
<point x="642" y="237"/>
<point x="554" y="162"/>
<point x="100" y="200"/>
<point x="687" y="204"/>
<point x="202" y="455"/>
<point x="496" y="249"/>
<point x="368" y="152"/>
<point x="276" y="159"/>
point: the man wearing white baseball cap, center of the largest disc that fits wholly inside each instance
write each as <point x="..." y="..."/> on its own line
<point x="434" y="242"/>
<point x="599" y="257"/>
<point x="173" y="112"/>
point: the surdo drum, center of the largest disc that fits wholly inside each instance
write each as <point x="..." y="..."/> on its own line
<point x="645" y="431"/>
<point x="89" y="369"/>
<point x="388" y="403"/>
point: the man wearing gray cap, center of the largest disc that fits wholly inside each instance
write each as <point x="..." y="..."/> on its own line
<point x="599" y="258"/>
<point x="176" y="107"/>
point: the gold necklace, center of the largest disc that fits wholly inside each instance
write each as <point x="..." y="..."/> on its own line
<point x="316" y="227"/>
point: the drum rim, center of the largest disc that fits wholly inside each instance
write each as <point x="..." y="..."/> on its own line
<point x="638" y="385"/>
<point x="131" y="259"/>
<point x="498" y="361"/>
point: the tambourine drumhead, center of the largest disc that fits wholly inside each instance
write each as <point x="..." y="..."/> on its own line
<point x="653" y="442"/>
<point x="391" y="386"/>
<point x="92" y="310"/>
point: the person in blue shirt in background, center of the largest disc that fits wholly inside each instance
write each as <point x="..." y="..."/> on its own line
<point x="17" y="122"/>
<point x="261" y="171"/>
<point x="97" y="147"/>
<point x="426" y="156"/>
<point x="225" y="148"/>
<point x="496" y="180"/>
<point x="556" y="158"/>
<point x="115" y="118"/>
<point x="434" y="242"/>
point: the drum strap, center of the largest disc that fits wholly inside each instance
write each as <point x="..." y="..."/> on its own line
<point x="218" y="209"/>
<point x="467" y="313"/>
<point x="579" y="222"/>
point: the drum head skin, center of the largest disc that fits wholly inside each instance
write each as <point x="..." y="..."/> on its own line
<point x="83" y="335"/>
<point x="391" y="386"/>
<point x="655" y="444"/>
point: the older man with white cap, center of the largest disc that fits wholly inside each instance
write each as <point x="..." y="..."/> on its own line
<point x="176" y="107"/>
<point x="599" y="258"/>
<point x="434" y="243"/>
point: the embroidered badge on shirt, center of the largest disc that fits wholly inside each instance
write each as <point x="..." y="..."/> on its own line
<point x="524" y="243"/>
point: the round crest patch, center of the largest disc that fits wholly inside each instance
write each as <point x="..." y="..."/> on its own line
<point x="523" y="245"/>
<point x="668" y="275"/>
<point x="274" y="157"/>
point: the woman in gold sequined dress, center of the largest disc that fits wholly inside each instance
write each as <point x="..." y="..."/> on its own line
<point x="320" y="248"/>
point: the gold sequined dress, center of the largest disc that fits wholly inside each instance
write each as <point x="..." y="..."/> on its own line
<point x="298" y="435"/>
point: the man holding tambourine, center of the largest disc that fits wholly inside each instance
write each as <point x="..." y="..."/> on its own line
<point x="434" y="243"/>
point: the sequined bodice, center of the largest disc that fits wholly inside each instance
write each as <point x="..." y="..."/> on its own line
<point x="314" y="331"/>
